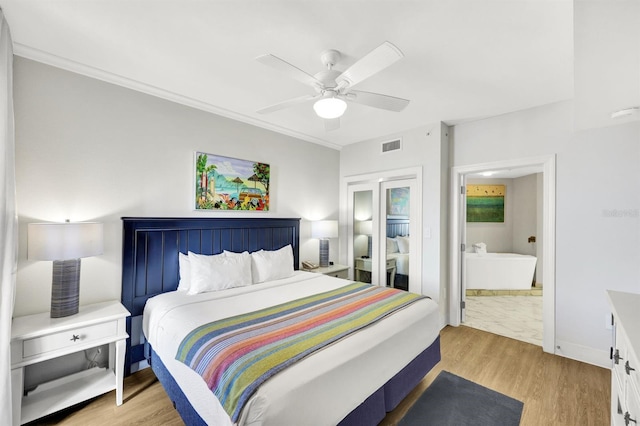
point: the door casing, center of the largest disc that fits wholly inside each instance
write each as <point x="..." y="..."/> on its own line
<point x="547" y="166"/>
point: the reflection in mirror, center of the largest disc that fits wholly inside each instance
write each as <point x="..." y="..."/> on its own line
<point x="397" y="225"/>
<point x="362" y="234"/>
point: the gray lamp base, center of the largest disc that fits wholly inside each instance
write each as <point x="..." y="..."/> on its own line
<point x="324" y="252"/>
<point x="65" y="288"/>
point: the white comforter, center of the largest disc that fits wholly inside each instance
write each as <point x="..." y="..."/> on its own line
<point x="321" y="389"/>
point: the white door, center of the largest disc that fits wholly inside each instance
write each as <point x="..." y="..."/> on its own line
<point x="363" y="222"/>
<point x="400" y="204"/>
<point x="462" y="225"/>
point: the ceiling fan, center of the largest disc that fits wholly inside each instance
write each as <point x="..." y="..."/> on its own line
<point x="333" y="87"/>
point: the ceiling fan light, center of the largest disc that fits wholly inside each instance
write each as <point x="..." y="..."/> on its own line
<point x="330" y="108"/>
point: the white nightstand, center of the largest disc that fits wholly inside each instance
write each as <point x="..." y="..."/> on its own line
<point x="335" y="270"/>
<point x="364" y="265"/>
<point x="37" y="338"/>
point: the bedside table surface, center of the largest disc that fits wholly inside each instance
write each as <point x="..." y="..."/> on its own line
<point x="328" y="269"/>
<point x="29" y="326"/>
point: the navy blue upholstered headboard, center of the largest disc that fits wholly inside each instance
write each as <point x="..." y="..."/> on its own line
<point x="397" y="227"/>
<point x="151" y="246"/>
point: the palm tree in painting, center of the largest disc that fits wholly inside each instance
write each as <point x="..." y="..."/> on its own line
<point x="262" y="172"/>
<point x="203" y="172"/>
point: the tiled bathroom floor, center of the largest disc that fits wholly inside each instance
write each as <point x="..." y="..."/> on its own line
<point x="517" y="317"/>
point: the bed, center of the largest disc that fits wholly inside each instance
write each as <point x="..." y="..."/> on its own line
<point x="355" y="380"/>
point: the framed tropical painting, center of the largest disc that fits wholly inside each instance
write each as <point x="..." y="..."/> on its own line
<point x="398" y="202"/>
<point x="485" y="203"/>
<point x="225" y="183"/>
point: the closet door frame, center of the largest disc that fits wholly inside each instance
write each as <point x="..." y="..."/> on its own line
<point x="346" y="217"/>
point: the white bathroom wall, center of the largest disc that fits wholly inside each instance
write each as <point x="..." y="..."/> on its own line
<point x="497" y="236"/>
<point x="520" y="217"/>
<point x="525" y="213"/>
<point x="539" y="236"/>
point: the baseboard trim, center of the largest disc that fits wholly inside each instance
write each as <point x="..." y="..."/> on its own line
<point x="585" y="354"/>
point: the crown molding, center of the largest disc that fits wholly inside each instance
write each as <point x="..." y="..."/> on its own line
<point x="109" y="77"/>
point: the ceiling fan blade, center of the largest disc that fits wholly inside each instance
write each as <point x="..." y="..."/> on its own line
<point x="377" y="100"/>
<point x="286" y="104"/>
<point x="291" y="70"/>
<point x="372" y="63"/>
<point x="332" y="124"/>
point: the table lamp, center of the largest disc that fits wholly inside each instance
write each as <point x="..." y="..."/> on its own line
<point x="323" y="230"/>
<point x="366" y="228"/>
<point x="64" y="244"/>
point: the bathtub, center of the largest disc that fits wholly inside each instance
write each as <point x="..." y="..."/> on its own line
<point x="499" y="271"/>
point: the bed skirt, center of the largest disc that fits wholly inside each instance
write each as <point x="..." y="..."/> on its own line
<point x="370" y="412"/>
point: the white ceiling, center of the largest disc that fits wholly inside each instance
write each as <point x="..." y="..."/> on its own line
<point x="463" y="59"/>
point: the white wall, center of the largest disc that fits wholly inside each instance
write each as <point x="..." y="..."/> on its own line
<point x="520" y="218"/>
<point x="425" y="147"/>
<point x="498" y="236"/>
<point x="525" y="214"/>
<point x="597" y="202"/>
<point x="88" y="150"/>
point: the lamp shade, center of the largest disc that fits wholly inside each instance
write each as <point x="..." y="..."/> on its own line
<point x="324" y="229"/>
<point x="61" y="241"/>
<point x="365" y="227"/>
<point x="330" y="108"/>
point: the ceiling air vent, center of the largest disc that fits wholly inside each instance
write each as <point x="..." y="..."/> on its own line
<point x="392" y="146"/>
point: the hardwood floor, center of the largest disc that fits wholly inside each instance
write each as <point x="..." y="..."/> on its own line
<point x="555" y="390"/>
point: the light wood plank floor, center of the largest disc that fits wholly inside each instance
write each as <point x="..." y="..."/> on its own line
<point x="555" y="390"/>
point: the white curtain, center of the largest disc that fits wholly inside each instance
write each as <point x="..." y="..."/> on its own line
<point x="8" y="218"/>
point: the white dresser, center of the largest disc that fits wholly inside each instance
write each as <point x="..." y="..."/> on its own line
<point x="625" y="371"/>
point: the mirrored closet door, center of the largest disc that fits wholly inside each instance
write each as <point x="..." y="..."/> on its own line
<point x="400" y="216"/>
<point x="363" y="240"/>
<point x="384" y="233"/>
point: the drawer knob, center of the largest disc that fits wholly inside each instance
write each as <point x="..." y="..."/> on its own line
<point x="628" y="368"/>
<point x="628" y="419"/>
<point x="75" y="337"/>
<point x="617" y="357"/>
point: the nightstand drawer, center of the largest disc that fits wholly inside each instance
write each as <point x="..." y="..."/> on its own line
<point x="69" y="338"/>
<point x="340" y="274"/>
<point x="391" y="263"/>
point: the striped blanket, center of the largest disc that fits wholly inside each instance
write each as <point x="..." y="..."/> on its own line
<point x="237" y="354"/>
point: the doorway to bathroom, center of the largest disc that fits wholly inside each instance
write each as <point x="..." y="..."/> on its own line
<point x="503" y="294"/>
<point x="511" y="210"/>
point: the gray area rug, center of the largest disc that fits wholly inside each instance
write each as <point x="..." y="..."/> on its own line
<point x="452" y="400"/>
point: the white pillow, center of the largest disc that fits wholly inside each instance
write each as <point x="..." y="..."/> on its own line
<point x="403" y="244"/>
<point x="392" y="245"/>
<point x="184" y="269"/>
<point x="271" y="265"/>
<point x="245" y="255"/>
<point x="219" y="272"/>
<point x="233" y="253"/>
